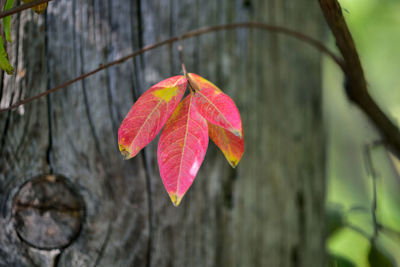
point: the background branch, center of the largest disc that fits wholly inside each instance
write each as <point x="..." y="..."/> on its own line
<point x="22" y="7"/>
<point x="371" y="171"/>
<point x="356" y="85"/>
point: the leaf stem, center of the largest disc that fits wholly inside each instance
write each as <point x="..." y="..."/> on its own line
<point x="180" y="51"/>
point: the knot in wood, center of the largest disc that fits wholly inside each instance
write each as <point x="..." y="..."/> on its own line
<point x="48" y="212"/>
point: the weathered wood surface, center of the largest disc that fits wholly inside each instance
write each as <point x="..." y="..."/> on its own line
<point x="268" y="212"/>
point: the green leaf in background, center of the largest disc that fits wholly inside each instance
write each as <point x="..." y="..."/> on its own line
<point x="339" y="261"/>
<point x="377" y="257"/>
<point x="4" y="63"/>
<point x="7" y="20"/>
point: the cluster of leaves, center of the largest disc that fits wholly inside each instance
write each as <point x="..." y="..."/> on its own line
<point x="4" y="61"/>
<point x="205" y="112"/>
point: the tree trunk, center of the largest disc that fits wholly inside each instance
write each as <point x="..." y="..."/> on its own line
<point x="267" y="212"/>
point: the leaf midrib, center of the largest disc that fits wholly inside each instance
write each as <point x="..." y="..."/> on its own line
<point x="184" y="145"/>
<point x="145" y="122"/>
<point x="155" y="108"/>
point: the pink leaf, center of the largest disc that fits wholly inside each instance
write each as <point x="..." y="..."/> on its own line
<point x="149" y="114"/>
<point x="182" y="147"/>
<point x="231" y="145"/>
<point x="215" y="106"/>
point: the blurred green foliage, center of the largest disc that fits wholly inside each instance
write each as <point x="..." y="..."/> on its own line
<point x="375" y="25"/>
<point x="379" y="257"/>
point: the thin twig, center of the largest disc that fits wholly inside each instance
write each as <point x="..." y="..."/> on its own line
<point x="180" y="51"/>
<point x="272" y="28"/>
<point x="371" y="171"/>
<point x="20" y="8"/>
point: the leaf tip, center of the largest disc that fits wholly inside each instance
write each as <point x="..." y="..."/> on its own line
<point x="176" y="200"/>
<point x="125" y="152"/>
<point x="233" y="162"/>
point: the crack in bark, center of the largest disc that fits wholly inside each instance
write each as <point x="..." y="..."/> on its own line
<point x="149" y="189"/>
<point x="140" y="27"/>
<point x="302" y="225"/>
<point x="294" y="256"/>
<point x="4" y="134"/>
<point x="146" y="161"/>
<point x="103" y="245"/>
<point x="110" y="97"/>
<point x="44" y="207"/>
<point x="228" y="188"/>
<point x="49" y="102"/>
<point x="108" y="186"/>
<point x="89" y="113"/>
<point x="90" y="120"/>
<point x="135" y="92"/>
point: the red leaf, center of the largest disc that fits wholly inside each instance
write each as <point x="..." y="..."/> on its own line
<point x="149" y="114"/>
<point x="231" y="145"/>
<point x="183" y="144"/>
<point x="215" y="106"/>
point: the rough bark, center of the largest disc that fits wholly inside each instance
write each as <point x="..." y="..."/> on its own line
<point x="267" y="212"/>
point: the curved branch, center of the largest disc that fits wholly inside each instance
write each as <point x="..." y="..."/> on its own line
<point x="272" y="28"/>
<point x="356" y="85"/>
<point x="20" y="8"/>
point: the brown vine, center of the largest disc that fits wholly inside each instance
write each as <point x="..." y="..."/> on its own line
<point x="356" y="85"/>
